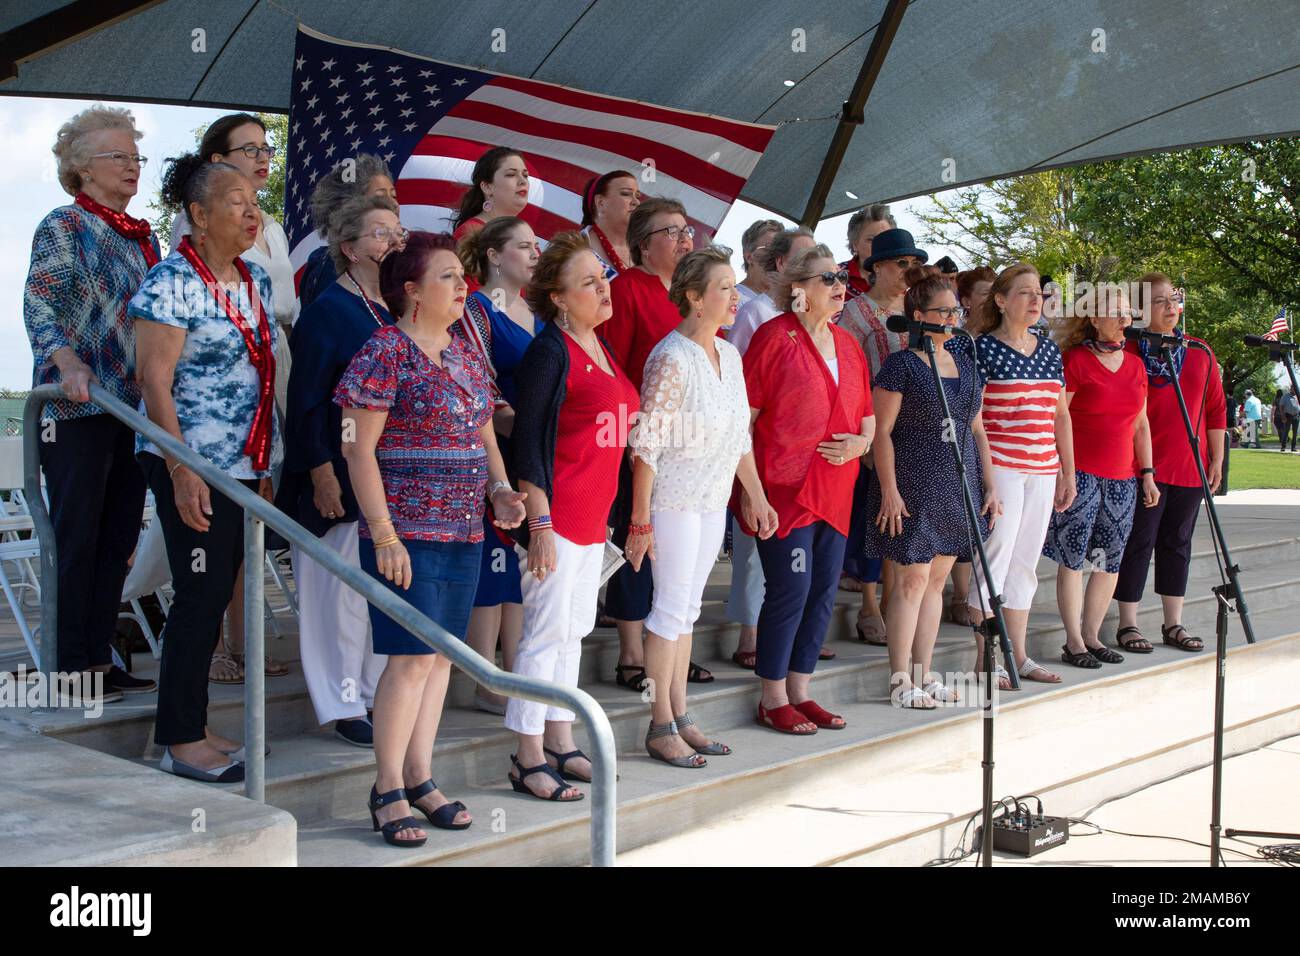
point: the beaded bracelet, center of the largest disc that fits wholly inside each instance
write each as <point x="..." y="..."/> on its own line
<point x="635" y="529"/>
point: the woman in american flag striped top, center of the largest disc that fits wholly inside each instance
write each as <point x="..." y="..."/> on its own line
<point x="1027" y="420"/>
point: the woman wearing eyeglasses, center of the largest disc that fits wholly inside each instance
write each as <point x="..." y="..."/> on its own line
<point x="1027" y="419"/>
<point x="917" y="503"/>
<point x="893" y="252"/>
<point x="1106" y="389"/>
<point x="810" y="404"/>
<point x="333" y="624"/>
<point x="659" y="237"/>
<point x="240" y="140"/>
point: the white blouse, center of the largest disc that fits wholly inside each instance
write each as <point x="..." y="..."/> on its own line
<point x="694" y="426"/>
<point x="284" y="294"/>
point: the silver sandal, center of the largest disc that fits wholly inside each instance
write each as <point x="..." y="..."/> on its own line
<point x="692" y="762"/>
<point x="713" y="748"/>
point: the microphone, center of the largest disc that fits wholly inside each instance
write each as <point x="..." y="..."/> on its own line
<point x="902" y="324"/>
<point x="1258" y="341"/>
<point x="1158" y="339"/>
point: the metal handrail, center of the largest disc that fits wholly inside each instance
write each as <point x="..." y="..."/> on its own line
<point x="258" y="511"/>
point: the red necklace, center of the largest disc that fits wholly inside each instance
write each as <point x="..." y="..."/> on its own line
<point x="260" y="351"/>
<point x="126" y="226"/>
<point x="615" y="259"/>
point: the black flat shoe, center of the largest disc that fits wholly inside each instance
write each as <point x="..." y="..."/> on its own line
<point x="1106" y="655"/>
<point x="636" y="682"/>
<point x="698" y="675"/>
<point x="1084" y="660"/>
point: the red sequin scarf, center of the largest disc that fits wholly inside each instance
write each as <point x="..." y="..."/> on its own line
<point x="614" y="259"/>
<point x="126" y="226"/>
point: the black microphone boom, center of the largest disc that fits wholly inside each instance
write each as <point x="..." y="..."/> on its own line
<point x="902" y="324"/>
<point x="1157" y="339"/>
<point x="1273" y="345"/>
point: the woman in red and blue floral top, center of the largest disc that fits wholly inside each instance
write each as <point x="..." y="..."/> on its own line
<point x="418" y="439"/>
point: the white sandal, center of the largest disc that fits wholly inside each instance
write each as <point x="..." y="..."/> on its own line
<point x="939" y="692"/>
<point x="916" y="699"/>
<point x="1030" y="665"/>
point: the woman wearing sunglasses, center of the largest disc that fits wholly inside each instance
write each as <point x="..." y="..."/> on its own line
<point x="917" y="502"/>
<point x="240" y="140"/>
<point x="810" y="403"/>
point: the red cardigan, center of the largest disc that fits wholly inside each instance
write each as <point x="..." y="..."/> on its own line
<point x="800" y="405"/>
<point x="1203" y="392"/>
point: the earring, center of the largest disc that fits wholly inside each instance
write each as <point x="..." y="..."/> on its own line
<point x="487" y="205"/>
<point x="415" y="313"/>
<point x="564" y="318"/>
<point x="699" y="314"/>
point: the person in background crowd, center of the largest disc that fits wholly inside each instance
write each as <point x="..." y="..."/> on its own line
<point x="88" y="259"/>
<point x="810" y="402"/>
<point x="918" y="508"/>
<point x="205" y="356"/>
<point x="569" y="386"/>
<point x="753" y="247"/>
<point x="745" y="594"/>
<point x="498" y="187"/>
<point x="1254" y="414"/>
<point x="1167" y="528"/>
<point x="691" y="443"/>
<point x="659" y="237"/>
<point x="894" y="252"/>
<point x="369" y="175"/>
<point x="607" y="204"/>
<point x="1106" y="390"/>
<point x="1290" y="420"/>
<point x="501" y="325"/>
<point x="419" y="402"/>
<point x="864" y="225"/>
<point x="340" y="668"/>
<point x="240" y="140"/>
<point x="948" y="268"/>
<point x="1027" y="421"/>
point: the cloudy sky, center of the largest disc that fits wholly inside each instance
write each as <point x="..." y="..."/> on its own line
<point x="31" y="189"/>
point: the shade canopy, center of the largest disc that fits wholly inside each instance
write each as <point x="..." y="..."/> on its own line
<point x="966" y="90"/>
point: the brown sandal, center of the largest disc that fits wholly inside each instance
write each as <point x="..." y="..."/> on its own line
<point x="270" y="666"/>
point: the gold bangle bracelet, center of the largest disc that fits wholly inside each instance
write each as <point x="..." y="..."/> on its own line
<point x="387" y="542"/>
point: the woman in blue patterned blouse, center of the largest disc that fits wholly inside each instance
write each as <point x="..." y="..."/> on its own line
<point x="420" y="450"/>
<point x="88" y="258"/>
<point x="205" y="348"/>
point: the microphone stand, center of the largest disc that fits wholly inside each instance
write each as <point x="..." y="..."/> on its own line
<point x="995" y="602"/>
<point x="1229" y="596"/>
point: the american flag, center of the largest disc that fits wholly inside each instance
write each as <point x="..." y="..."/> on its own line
<point x="431" y="120"/>
<point x="1279" y="326"/>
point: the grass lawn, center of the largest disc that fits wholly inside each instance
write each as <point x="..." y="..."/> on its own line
<point x="1263" y="468"/>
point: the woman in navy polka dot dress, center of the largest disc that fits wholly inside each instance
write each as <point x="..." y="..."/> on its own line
<point x="920" y="514"/>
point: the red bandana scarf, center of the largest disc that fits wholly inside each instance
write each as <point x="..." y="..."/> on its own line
<point x="260" y="352"/>
<point x="127" y="226"/>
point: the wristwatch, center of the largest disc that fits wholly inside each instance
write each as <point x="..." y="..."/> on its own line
<point x="1147" y="471"/>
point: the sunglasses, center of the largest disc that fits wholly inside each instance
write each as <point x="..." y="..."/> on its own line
<point x="830" y="278"/>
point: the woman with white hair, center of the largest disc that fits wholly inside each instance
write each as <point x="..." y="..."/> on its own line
<point x="88" y="258"/>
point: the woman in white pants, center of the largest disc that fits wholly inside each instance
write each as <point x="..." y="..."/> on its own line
<point x="574" y="403"/>
<point x="691" y="442"/>
<point x="1027" y="420"/>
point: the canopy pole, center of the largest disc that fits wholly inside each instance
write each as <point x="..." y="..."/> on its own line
<point x="69" y="23"/>
<point x="851" y="113"/>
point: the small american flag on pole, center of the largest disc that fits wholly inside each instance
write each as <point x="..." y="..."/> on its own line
<point x="1279" y="326"/>
<point x="431" y="120"/>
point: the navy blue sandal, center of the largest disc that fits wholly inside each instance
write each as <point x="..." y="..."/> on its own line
<point x="544" y="768"/>
<point x="444" y="818"/>
<point x="393" y="827"/>
<point x="562" y="759"/>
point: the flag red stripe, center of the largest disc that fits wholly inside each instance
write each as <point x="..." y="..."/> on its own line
<point x="571" y="177"/>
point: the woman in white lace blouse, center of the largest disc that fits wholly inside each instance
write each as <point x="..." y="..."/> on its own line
<point x="691" y="442"/>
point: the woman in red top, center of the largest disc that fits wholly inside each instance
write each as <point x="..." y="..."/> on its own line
<point x="659" y="238"/>
<point x="810" y="400"/>
<point x="498" y="187"/>
<point x="1167" y="528"/>
<point x="569" y="436"/>
<point x="1106" y="391"/>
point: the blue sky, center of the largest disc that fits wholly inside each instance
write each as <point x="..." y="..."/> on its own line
<point x="31" y="189"/>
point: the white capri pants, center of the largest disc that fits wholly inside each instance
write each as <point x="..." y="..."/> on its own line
<point x="686" y="548"/>
<point x="748" y="585"/>
<point x="1016" y="541"/>
<point x="338" y="658"/>
<point x="559" y="611"/>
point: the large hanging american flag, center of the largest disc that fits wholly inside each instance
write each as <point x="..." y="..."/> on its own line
<point x="1279" y="326"/>
<point x="431" y="121"/>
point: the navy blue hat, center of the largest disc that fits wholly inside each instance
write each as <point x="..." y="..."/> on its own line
<point x="893" y="243"/>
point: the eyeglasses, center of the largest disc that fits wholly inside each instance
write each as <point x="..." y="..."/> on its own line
<point x="902" y="263"/>
<point x="675" y="233"/>
<point x="252" y="152"/>
<point x="830" y="278"/>
<point x="1161" y="301"/>
<point x="953" y="312"/>
<point x="383" y="234"/>
<point x="123" y="159"/>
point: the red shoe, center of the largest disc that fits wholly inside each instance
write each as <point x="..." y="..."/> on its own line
<point x="785" y="719"/>
<point x="820" y="715"/>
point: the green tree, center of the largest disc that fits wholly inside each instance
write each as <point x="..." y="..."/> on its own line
<point x="271" y="197"/>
